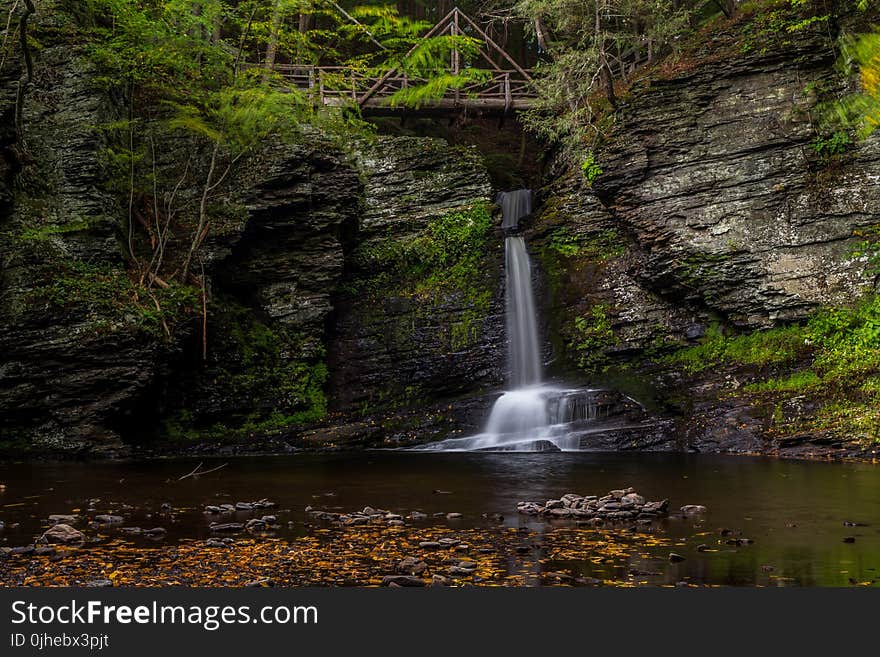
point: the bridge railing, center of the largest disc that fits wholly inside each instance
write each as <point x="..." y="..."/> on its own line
<point x="338" y="85"/>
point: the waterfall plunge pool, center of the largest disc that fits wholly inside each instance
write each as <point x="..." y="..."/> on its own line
<point x="793" y="511"/>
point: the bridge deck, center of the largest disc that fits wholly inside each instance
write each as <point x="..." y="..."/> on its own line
<point x="505" y="90"/>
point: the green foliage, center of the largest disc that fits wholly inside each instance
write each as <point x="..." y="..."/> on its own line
<point x="763" y="348"/>
<point x="835" y="144"/>
<point x="869" y="248"/>
<point x="796" y="382"/>
<point x="445" y="258"/>
<point x="267" y="386"/>
<point x="600" y="246"/>
<point x="108" y="296"/>
<point x="584" y="39"/>
<point x="48" y="231"/>
<point x="593" y="334"/>
<point x="774" y="23"/>
<point x="860" y="110"/>
<point x="564" y="243"/>
<point x="590" y="168"/>
<point x="846" y="340"/>
<point x="837" y="351"/>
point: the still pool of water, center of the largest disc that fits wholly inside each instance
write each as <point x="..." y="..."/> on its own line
<point x="794" y="511"/>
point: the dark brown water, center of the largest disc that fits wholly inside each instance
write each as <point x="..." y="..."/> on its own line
<point x="793" y="511"/>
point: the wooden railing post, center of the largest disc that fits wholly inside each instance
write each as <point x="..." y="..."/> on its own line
<point x="508" y="100"/>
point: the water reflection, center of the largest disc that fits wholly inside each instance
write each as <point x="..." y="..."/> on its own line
<point x="793" y="511"/>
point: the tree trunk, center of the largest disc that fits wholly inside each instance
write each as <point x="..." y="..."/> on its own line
<point x="608" y="82"/>
<point x="272" y="46"/>
<point x="541" y="35"/>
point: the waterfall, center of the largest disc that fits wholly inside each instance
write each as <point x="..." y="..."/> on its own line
<point x="514" y="206"/>
<point x="524" y="348"/>
<point x="531" y="416"/>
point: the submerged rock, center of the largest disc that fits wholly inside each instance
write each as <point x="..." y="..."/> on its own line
<point x="693" y="509"/>
<point x="106" y="519"/>
<point x="403" y="580"/>
<point x="62" y="533"/>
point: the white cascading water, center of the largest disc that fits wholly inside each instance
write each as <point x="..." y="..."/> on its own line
<point x="524" y="348"/>
<point x="531" y="416"/>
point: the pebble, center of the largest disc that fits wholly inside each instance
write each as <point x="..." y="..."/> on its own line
<point x="458" y="570"/>
<point x="106" y="519"/>
<point x="225" y="526"/>
<point x="849" y="539"/>
<point x="411" y="566"/>
<point x="453" y="516"/>
<point x="68" y="519"/>
<point x="155" y="531"/>
<point x="99" y="583"/>
<point x="430" y="545"/>
<point x="263" y="581"/>
<point x="692" y="509"/>
<point x="675" y="558"/>
<point x="417" y="515"/>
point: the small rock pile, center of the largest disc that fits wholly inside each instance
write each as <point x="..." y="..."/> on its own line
<point x="212" y="509"/>
<point x="375" y="516"/>
<point x="620" y="505"/>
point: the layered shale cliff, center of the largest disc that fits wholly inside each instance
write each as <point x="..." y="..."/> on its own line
<point x="717" y="213"/>
<point x="302" y="325"/>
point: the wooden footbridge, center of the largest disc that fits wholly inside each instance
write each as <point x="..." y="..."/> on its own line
<point x="506" y="85"/>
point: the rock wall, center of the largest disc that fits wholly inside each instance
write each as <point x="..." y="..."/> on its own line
<point x="737" y="212"/>
<point x="88" y="366"/>
<point x="70" y="360"/>
<point x="412" y="339"/>
<point x="713" y="208"/>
